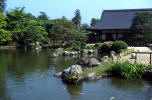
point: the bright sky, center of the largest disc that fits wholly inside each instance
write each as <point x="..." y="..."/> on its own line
<point x="88" y="8"/>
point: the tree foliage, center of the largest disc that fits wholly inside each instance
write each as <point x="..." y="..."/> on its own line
<point x="141" y="29"/>
<point x="77" y="18"/>
<point x="43" y="16"/>
<point x="2" y="5"/>
<point x="4" y="34"/>
<point x="94" y="21"/>
<point x="24" y="29"/>
<point x="64" y="32"/>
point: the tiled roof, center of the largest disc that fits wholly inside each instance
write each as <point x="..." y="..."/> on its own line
<point x="117" y="19"/>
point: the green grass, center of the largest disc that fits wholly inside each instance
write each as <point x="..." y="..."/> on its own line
<point x="100" y="70"/>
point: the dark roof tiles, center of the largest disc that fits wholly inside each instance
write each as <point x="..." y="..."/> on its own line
<point x="117" y="19"/>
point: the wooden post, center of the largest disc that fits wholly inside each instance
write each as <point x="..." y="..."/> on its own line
<point x="150" y="59"/>
<point x="136" y="57"/>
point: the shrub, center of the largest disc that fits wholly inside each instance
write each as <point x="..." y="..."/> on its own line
<point x="83" y="45"/>
<point x="118" y="45"/>
<point x="128" y="70"/>
<point x="98" y="45"/>
<point x="76" y="48"/>
<point x="89" y="47"/>
<point x="106" y="47"/>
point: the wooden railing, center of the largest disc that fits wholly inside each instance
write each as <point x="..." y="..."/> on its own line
<point x="150" y="53"/>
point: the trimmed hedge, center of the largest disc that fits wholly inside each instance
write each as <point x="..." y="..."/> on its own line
<point x="118" y="45"/>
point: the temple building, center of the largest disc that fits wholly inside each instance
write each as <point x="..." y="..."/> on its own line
<point x="115" y="24"/>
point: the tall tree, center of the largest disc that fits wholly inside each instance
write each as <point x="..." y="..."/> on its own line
<point x="24" y="29"/>
<point x="16" y="22"/>
<point x="2" y="5"/>
<point x="43" y="16"/>
<point x="5" y="35"/>
<point x="77" y="18"/>
<point x="94" y="21"/>
<point x="64" y="32"/>
<point x="141" y="29"/>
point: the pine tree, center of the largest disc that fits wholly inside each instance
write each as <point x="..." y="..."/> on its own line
<point x="77" y="18"/>
<point x="2" y="5"/>
<point x="94" y="21"/>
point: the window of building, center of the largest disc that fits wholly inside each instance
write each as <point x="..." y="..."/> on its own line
<point x="114" y="36"/>
<point x="103" y="37"/>
<point x="120" y="36"/>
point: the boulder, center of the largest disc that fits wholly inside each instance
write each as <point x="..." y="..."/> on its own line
<point x="90" y="52"/>
<point x="92" y="76"/>
<point x="64" y="73"/>
<point x="60" y="49"/>
<point x="95" y="51"/>
<point x="58" y="74"/>
<point x="66" y="53"/>
<point x="112" y="53"/>
<point x="73" y="53"/>
<point x="92" y="62"/>
<point x="104" y="59"/>
<point x="55" y="54"/>
<point x="74" y="69"/>
<point x="82" y="61"/>
<point x="84" y="52"/>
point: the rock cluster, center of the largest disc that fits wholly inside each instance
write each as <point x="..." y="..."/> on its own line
<point x="90" y="62"/>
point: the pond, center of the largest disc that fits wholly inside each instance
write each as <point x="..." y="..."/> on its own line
<point x="29" y="76"/>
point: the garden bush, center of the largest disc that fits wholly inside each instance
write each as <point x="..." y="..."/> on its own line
<point x="106" y="47"/>
<point x="98" y="45"/>
<point x="76" y="48"/>
<point x="119" y="45"/>
<point x="128" y="70"/>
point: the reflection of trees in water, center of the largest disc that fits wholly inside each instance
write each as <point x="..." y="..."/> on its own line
<point x="16" y="64"/>
<point x="75" y="90"/>
<point x="19" y="63"/>
<point x="122" y="84"/>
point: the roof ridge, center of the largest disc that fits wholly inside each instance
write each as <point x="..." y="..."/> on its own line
<point x="128" y="10"/>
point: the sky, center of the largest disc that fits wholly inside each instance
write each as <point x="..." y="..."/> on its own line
<point x="88" y="8"/>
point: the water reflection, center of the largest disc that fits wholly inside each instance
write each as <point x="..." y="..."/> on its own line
<point x="124" y="85"/>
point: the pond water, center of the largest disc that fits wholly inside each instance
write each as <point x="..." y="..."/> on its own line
<point x="29" y="76"/>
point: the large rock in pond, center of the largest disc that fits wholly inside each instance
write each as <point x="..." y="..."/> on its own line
<point x="84" y="52"/>
<point x="92" y="76"/>
<point x="66" y="53"/>
<point x="58" y="74"/>
<point x="74" y="69"/>
<point x="93" y="62"/>
<point x="82" y="61"/>
<point x="90" y="52"/>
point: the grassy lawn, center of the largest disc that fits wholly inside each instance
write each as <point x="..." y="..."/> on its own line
<point x="100" y="70"/>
